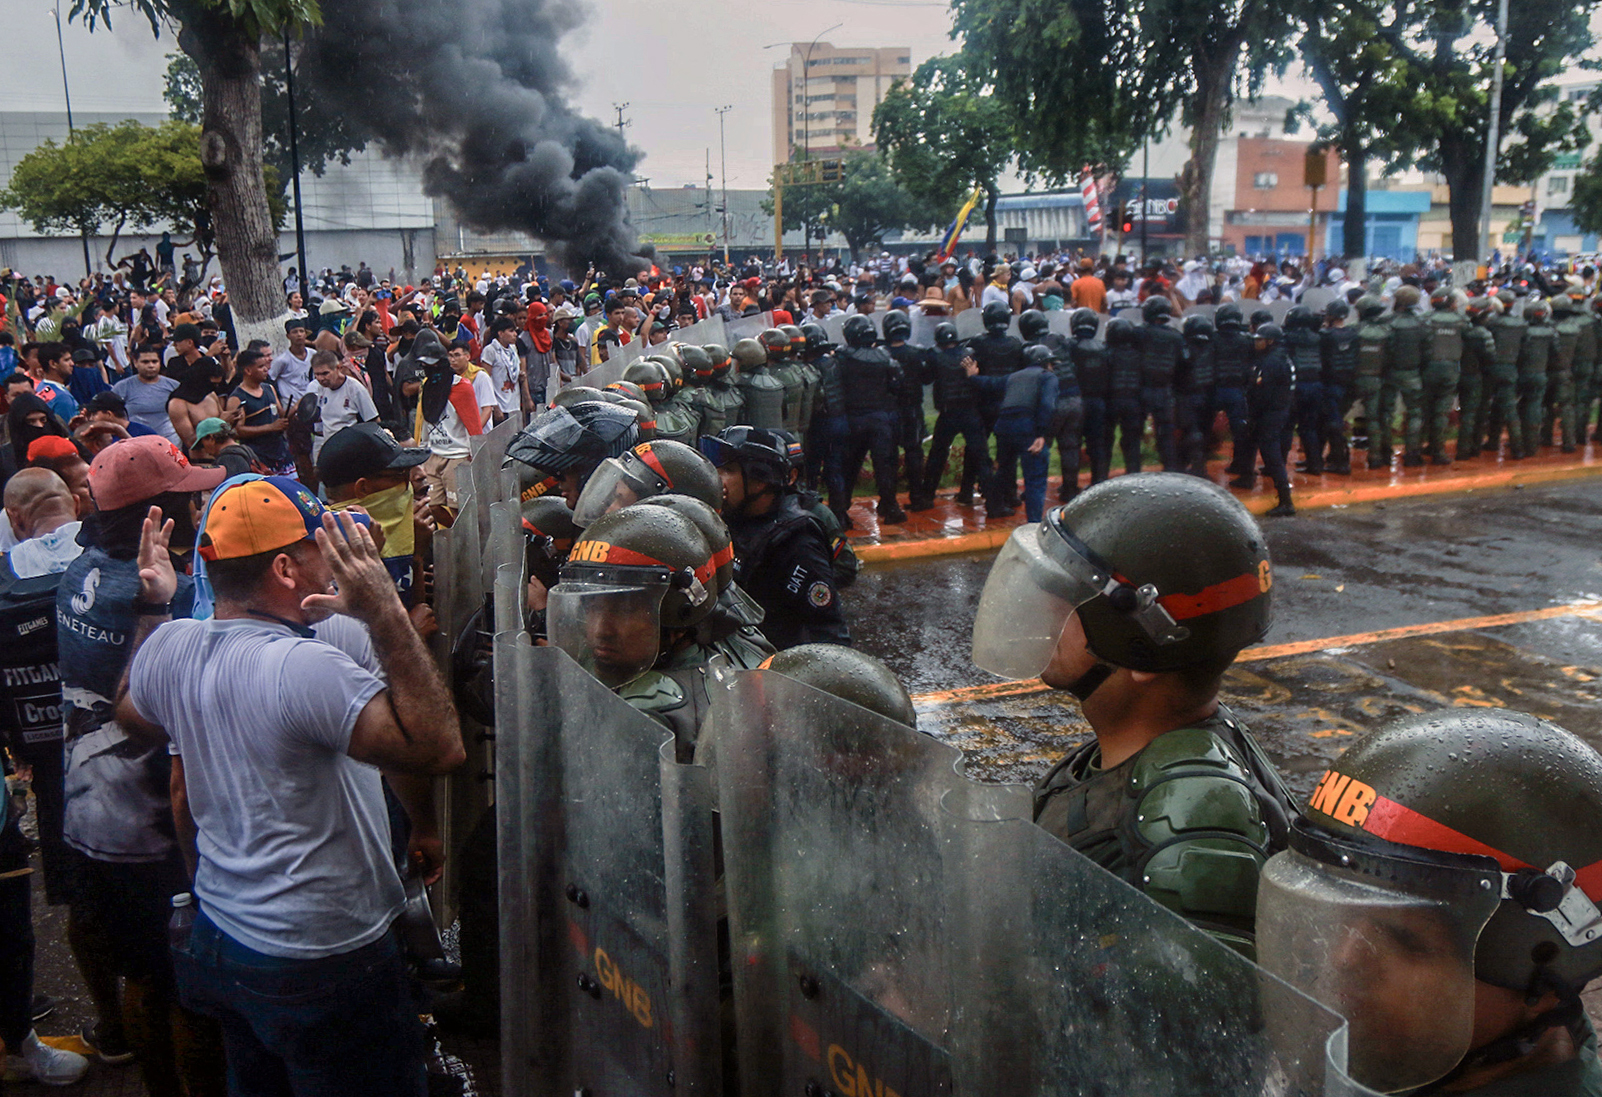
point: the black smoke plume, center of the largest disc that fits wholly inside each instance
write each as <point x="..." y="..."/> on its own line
<point x="478" y="89"/>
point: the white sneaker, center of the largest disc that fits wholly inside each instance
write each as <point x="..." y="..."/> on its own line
<point x="39" y="1062"/>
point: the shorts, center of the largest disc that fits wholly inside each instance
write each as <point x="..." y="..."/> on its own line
<point x="439" y="475"/>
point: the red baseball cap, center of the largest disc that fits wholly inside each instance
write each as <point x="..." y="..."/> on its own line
<point x="136" y="469"/>
<point x="51" y="447"/>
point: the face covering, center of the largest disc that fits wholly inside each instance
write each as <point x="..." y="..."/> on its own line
<point x="391" y="510"/>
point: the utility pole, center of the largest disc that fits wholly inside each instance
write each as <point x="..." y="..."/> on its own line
<point x="66" y="93"/>
<point x="1492" y="138"/>
<point x="621" y="121"/>
<point x="294" y="159"/>
<point x="1145" y="205"/>
<point x="709" y="189"/>
<point x="723" y="157"/>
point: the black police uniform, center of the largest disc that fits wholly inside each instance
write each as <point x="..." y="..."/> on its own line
<point x="1161" y="351"/>
<point x="1124" y="410"/>
<point x="1305" y="349"/>
<point x="1232" y="360"/>
<point x="996" y="354"/>
<point x="1089" y="357"/>
<point x="1199" y="404"/>
<point x="870" y="381"/>
<point x="1339" y="346"/>
<point x="826" y="433"/>
<point x="957" y="400"/>
<point x="784" y="561"/>
<point x="915" y="368"/>
<point x="1270" y="404"/>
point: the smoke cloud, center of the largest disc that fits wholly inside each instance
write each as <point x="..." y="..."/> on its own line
<point x="478" y="90"/>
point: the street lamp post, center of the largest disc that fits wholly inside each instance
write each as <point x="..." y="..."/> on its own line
<point x="723" y="158"/>
<point x="66" y="93"/>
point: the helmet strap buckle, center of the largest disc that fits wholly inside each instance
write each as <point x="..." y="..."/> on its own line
<point x="1573" y="914"/>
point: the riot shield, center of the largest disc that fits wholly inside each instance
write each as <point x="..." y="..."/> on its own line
<point x="608" y="923"/>
<point x="747" y="327"/>
<point x="488" y="455"/>
<point x="1207" y="311"/>
<point x="923" y="329"/>
<point x="602" y="375"/>
<point x="1057" y="322"/>
<point x="1318" y="298"/>
<point x="701" y="332"/>
<point x="970" y="322"/>
<point x="834" y="324"/>
<point x="1278" y="308"/>
<point x="897" y="927"/>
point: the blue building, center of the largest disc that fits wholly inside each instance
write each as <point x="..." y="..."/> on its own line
<point x="1392" y="229"/>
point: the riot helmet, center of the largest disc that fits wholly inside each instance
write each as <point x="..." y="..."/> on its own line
<point x="697" y="363"/>
<point x="1300" y="318"/>
<point x="650" y="468"/>
<point x="1165" y="571"/>
<point x="1229" y="317"/>
<point x="1084" y="323"/>
<point x="1270" y="334"/>
<point x="1441" y="299"/>
<point x="945" y="335"/>
<point x="721" y="359"/>
<point x="748" y="353"/>
<point x="709" y="520"/>
<point x="1370" y="307"/>
<point x="1478" y="308"/>
<point x="1156" y="309"/>
<point x="652" y="377"/>
<point x="1259" y="317"/>
<point x="1197" y="329"/>
<point x="634" y="574"/>
<point x="1032" y="324"/>
<point x="897" y="325"/>
<point x="1561" y="304"/>
<point x="1038" y="354"/>
<point x="1537" y="311"/>
<point x="575" y="394"/>
<point x="1406" y="297"/>
<point x="549" y="531"/>
<point x="669" y="361"/>
<point x="858" y="331"/>
<point x="1338" y="311"/>
<point x="1447" y="848"/>
<point x="628" y="389"/>
<point x="763" y="455"/>
<point x="565" y="440"/>
<point x="817" y="339"/>
<point x="996" y="316"/>
<point x="798" y="340"/>
<point x="775" y="342"/>
<point x="850" y="675"/>
<point x="1120" y="332"/>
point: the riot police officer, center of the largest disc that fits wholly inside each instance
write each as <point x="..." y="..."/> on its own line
<point x="1161" y="351"/>
<point x="707" y="407"/>
<point x="998" y="353"/>
<point x="1502" y="386"/>
<point x="870" y="381"/>
<point x="1536" y="356"/>
<point x="1304" y="348"/>
<point x="783" y="557"/>
<point x="826" y="419"/>
<point x="1338" y="345"/>
<point x="1442" y="887"/>
<point x="1586" y="355"/>
<point x="787" y="371"/>
<point x="763" y="394"/>
<point x="957" y="400"/>
<point x="1199" y="405"/>
<point x="725" y="392"/>
<point x="1136" y="597"/>
<point x="1068" y="424"/>
<point x="1123" y="392"/>
<point x="1479" y="356"/>
<point x="1560" y="409"/>
<point x="1024" y="422"/>
<point x="659" y="467"/>
<point x="1089" y="356"/>
<point x="915" y="367"/>
<point x="1405" y="360"/>
<point x="675" y="419"/>
<point x="1232" y="363"/>
<point x="569" y="443"/>
<point x="1269" y="408"/>
<point x="1443" y="369"/>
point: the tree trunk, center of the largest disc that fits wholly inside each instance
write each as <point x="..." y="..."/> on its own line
<point x="1209" y="109"/>
<point x="111" y="247"/>
<point x="991" y="194"/>
<point x="1463" y="165"/>
<point x="1354" y="237"/>
<point x="231" y="154"/>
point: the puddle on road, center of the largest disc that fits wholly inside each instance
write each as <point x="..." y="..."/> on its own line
<point x="1304" y="709"/>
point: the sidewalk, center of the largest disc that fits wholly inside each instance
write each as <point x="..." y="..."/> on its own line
<point x="949" y="529"/>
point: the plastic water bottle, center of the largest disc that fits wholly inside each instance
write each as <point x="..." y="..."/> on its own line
<point x="183" y="917"/>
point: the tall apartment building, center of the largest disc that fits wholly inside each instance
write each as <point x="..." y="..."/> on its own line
<point x="823" y="97"/>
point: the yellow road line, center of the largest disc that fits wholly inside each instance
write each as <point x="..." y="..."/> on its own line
<point x="997" y="690"/>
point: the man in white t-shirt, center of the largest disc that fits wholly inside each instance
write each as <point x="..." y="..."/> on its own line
<point x="290" y="372"/>
<point x="341" y="402"/>
<point x="449" y="415"/>
<point x="277" y="739"/>
<point x="505" y="368"/>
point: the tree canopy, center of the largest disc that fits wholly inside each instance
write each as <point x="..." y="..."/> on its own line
<point x="863" y="205"/>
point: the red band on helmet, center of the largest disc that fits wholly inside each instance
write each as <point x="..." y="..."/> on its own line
<point x="723" y="556"/>
<point x="627" y="557"/>
<point x="653" y="462"/>
<point x="1219" y="596"/>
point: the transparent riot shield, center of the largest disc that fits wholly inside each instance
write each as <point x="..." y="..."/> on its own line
<point x="1318" y="298"/>
<point x="1206" y="311"/>
<point x="1278" y="308"/>
<point x="747" y="327"/>
<point x="608" y="918"/>
<point x="970" y="322"/>
<point x="923" y="329"/>
<point x="1057" y="322"/>
<point x="834" y="324"/>
<point x="488" y="454"/>
<point x="898" y="928"/>
<point x="602" y="375"/>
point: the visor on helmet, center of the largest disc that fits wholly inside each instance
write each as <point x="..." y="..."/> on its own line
<point x="1042" y="575"/>
<point x="1383" y="935"/>
<point x="615" y="485"/>
<point x="609" y="619"/>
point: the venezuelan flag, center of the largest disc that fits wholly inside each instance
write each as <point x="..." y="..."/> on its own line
<point x="949" y="244"/>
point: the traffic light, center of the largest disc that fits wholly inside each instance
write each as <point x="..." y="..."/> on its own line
<point x="1128" y="225"/>
<point x="831" y="172"/>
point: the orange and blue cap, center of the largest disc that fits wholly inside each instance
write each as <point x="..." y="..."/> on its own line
<point x="259" y="515"/>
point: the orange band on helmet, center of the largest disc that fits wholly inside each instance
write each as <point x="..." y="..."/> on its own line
<point x="629" y="558"/>
<point x="1219" y="596"/>
<point x="1399" y="823"/>
<point x="723" y="556"/>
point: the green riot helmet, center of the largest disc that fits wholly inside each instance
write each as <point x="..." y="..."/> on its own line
<point x="1337" y="311"/>
<point x="652" y="377"/>
<point x="1120" y="332"/>
<point x="549" y="531"/>
<point x="945" y="335"/>
<point x="634" y="574"/>
<point x="1229" y="317"/>
<point x="1406" y="297"/>
<point x="996" y="316"/>
<point x="709" y="520"/>
<point x="1165" y="572"/>
<point x="1197" y="329"/>
<point x="764" y="455"/>
<point x="1038" y="354"/>
<point x="1300" y="318"/>
<point x="1084" y="323"/>
<point x="858" y="331"/>
<point x="1479" y="308"/>
<point x="1259" y="317"/>
<point x="850" y="675"/>
<point x="1506" y="297"/>
<point x="897" y="325"/>
<point x="561" y="440"/>
<point x="645" y="417"/>
<point x="1156" y="310"/>
<point x="1031" y="324"/>
<point x="1370" y="308"/>
<point x="1269" y="334"/>
<point x="697" y="364"/>
<point x="1447" y="848"/>
<point x="749" y="355"/>
<point x="628" y="389"/>
<point x="776" y="343"/>
<point x="1562" y="304"/>
<point x="1441" y="300"/>
<point x="575" y="394"/>
<point x="1537" y="311"/>
<point x="650" y="468"/>
<point x="817" y="339"/>
<point x="670" y="363"/>
<point x="722" y="360"/>
<point x="798" y="339"/>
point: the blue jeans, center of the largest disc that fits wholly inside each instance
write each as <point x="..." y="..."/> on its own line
<point x="1010" y="449"/>
<point x="332" y="1027"/>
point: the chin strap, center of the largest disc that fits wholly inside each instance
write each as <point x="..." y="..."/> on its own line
<point x="1090" y="681"/>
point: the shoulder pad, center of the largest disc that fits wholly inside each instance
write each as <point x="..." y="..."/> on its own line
<point x="653" y="692"/>
<point x="747" y="648"/>
<point x="1184" y="749"/>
